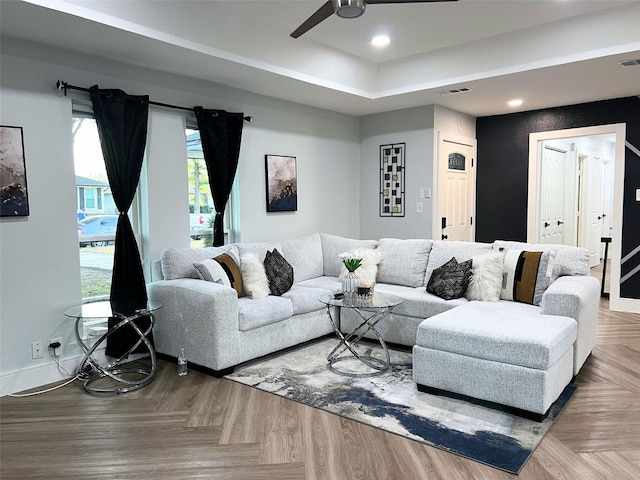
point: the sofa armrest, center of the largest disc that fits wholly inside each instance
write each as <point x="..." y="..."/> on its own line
<point x="577" y="297"/>
<point x="199" y="316"/>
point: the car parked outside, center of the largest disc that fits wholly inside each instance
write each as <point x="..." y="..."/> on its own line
<point x="97" y="230"/>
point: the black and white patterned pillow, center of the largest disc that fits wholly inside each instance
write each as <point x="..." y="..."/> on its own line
<point x="279" y="272"/>
<point x="450" y="280"/>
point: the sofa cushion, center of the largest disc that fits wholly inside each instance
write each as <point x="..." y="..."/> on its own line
<point x="257" y="313"/>
<point x="568" y="261"/>
<point x="279" y="272"/>
<point x="505" y="332"/>
<point x="526" y="275"/>
<point x="333" y="246"/>
<point x="417" y="302"/>
<point x="305" y="256"/>
<point x="259" y="249"/>
<point x="450" y="280"/>
<point x="305" y="299"/>
<point x="178" y="262"/>
<point x="404" y="261"/>
<point x="330" y="284"/>
<point x="442" y="251"/>
<point x="486" y="277"/>
<point x="254" y="278"/>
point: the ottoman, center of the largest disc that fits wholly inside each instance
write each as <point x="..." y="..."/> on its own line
<point x="503" y="352"/>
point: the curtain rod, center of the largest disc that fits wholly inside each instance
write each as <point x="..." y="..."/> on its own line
<point x="64" y="86"/>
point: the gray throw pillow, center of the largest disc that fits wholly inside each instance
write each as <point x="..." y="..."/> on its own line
<point x="450" y="280"/>
<point x="279" y="272"/>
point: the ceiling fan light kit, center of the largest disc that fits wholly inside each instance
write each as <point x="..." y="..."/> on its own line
<point x="349" y="8"/>
<point x="346" y="9"/>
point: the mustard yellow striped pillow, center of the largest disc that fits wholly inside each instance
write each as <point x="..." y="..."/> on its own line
<point x="526" y="275"/>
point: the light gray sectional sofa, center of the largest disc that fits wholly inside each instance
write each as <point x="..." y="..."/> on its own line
<point x="545" y="345"/>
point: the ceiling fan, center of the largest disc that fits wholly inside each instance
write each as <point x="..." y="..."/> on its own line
<point x="346" y="9"/>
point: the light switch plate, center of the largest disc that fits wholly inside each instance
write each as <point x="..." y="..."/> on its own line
<point x="637" y="194"/>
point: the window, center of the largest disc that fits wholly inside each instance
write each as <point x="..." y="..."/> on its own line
<point x="201" y="212"/>
<point x="96" y="211"/>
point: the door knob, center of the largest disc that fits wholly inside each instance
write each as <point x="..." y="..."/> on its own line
<point x="546" y="224"/>
<point x="599" y="217"/>
<point x="560" y="222"/>
<point x="444" y="237"/>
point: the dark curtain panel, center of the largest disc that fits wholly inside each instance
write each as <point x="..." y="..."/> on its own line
<point x="220" y="133"/>
<point x="122" y="127"/>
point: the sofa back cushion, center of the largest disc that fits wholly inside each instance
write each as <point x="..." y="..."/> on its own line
<point x="569" y="260"/>
<point x="404" y="262"/>
<point x="305" y="256"/>
<point x="259" y="249"/>
<point x="178" y="262"/>
<point x="443" y="251"/>
<point x="333" y="246"/>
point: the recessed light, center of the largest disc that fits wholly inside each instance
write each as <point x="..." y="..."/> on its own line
<point x="380" y="41"/>
<point x="516" y="102"/>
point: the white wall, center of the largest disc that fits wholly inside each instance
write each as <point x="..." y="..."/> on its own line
<point x="40" y="272"/>
<point x="452" y="122"/>
<point x="418" y="128"/>
<point x="414" y="127"/>
<point x="39" y="263"/>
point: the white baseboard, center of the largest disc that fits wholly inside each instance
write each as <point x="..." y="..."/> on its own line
<point x="39" y="375"/>
<point x="47" y="373"/>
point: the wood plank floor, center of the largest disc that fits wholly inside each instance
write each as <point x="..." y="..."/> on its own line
<point x="202" y="427"/>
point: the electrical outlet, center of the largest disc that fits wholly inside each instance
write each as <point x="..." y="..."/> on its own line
<point x="57" y="352"/>
<point x="36" y="349"/>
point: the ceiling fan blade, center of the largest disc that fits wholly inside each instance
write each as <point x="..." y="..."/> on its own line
<point x="324" y="12"/>
<point x="373" y="2"/>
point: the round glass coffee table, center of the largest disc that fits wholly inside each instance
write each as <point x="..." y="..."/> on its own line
<point x="113" y="378"/>
<point x="371" y="309"/>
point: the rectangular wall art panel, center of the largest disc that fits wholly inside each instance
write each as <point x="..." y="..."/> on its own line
<point x="282" y="183"/>
<point x="392" y="170"/>
<point x="14" y="200"/>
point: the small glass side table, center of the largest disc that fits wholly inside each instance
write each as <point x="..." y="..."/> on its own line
<point x="372" y="309"/>
<point x="123" y="379"/>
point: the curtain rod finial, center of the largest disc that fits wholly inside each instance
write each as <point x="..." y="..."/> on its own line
<point x="61" y="87"/>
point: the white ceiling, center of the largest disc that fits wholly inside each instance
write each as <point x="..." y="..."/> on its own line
<point x="547" y="52"/>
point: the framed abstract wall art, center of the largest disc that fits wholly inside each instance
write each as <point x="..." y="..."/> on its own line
<point x="392" y="172"/>
<point x="14" y="200"/>
<point x="282" y="183"/>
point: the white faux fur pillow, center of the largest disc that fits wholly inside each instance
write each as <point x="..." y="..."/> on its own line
<point x="486" y="277"/>
<point x="368" y="270"/>
<point x="254" y="278"/>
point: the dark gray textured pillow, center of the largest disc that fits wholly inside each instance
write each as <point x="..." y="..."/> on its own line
<point x="450" y="280"/>
<point x="279" y="272"/>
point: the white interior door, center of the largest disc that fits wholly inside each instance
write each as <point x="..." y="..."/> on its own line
<point x="595" y="208"/>
<point x="552" y="196"/>
<point x="607" y="193"/>
<point x="456" y="187"/>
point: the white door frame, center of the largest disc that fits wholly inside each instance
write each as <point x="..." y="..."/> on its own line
<point x="436" y="227"/>
<point x="619" y="130"/>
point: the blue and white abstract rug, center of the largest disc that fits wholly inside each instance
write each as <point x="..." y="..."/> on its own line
<point x="392" y="402"/>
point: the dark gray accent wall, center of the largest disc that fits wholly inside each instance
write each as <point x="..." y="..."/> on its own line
<point x="503" y="165"/>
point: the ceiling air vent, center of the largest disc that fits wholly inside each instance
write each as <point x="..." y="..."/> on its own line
<point x="630" y="63"/>
<point x="455" y="91"/>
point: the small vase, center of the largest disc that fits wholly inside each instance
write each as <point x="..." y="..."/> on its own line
<point x="350" y="285"/>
